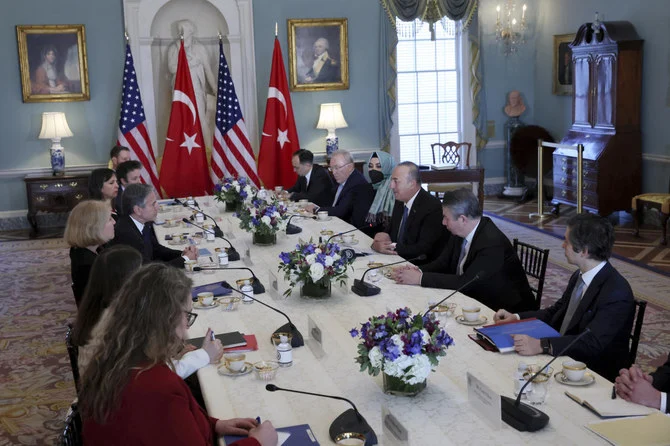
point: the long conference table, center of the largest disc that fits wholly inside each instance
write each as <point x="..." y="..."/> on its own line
<point x="441" y="414"/>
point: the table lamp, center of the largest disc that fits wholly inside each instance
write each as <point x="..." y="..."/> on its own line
<point x="54" y="127"/>
<point x="331" y="118"/>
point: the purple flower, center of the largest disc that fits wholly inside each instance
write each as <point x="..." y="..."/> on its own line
<point x="353" y="332"/>
<point x="243" y="194"/>
<point x="285" y="257"/>
<point x="390" y="351"/>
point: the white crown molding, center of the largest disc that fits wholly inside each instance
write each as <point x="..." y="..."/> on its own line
<point x="494" y="144"/>
<point x="20" y="173"/>
<point x="656" y="157"/>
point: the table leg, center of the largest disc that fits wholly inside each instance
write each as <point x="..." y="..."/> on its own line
<point x="32" y="219"/>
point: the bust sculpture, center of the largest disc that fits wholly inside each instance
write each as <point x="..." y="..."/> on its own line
<point x="515" y="106"/>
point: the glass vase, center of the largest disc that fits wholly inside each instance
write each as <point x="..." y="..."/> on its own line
<point x="233" y="206"/>
<point x="398" y="387"/>
<point x="319" y="290"/>
<point x="264" y="239"/>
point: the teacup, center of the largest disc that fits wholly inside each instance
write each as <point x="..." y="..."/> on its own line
<point x="322" y="215"/>
<point x="471" y="313"/>
<point x="279" y="189"/>
<point x="348" y="238"/>
<point x="234" y="361"/>
<point x="574" y="370"/>
<point x="190" y="264"/>
<point x="303" y="203"/>
<point x="206" y="298"/>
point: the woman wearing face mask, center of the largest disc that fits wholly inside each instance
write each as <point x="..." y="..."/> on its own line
<point x="378" y="172"/>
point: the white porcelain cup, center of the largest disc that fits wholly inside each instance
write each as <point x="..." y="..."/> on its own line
<point x="279" y="189"/>
<point x="199" y="218"/>
<point x="574" y="370"/>
<point x="206" y="299"/>
<point x="190" y="264"/>
<point x="303" y="203"/>
<point x="348" y="238"/>
<point x="471" y="313"/>
<point x="322" y="215"/>
<point x="234" y="361"/>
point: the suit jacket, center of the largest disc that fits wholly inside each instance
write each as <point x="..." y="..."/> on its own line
<point x="126" y="233"/>
<point x="118" y="201"/>
<point x="503" y="283"/>
<point x="424" y="232"/>
<point x="155" y="407"/>
<point x="354" y="200"/>
<point x="607" y="309"/>
<point x="320" y="188"/>
<point x="81" y="261"/>
<point x="662" y="379"/>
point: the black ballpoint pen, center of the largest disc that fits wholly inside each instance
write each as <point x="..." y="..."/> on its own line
<point x="613" y="392"/>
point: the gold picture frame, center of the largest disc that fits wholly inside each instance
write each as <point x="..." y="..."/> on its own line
<point x="53" y="63"/>
<point x="563" y="65"/>
<point x="318" y="54"/>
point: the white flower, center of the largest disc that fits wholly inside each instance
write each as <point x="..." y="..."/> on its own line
<point x="397" y="340"/>
<point x="376" y="357"/>
<point x="329" y="261"/>
<point x="237" y="187"/>
<point x="252" y="212"/>
<point x="318" y="251"/>
<point x="316" y="271"/>
<point x="418" y="368"/>
<point x="265" y="219"/>
<point x="336" y="257"/>
<point x="310" y="258"/>
<point x="275" y="214"/>
<point x="425" y="337"/>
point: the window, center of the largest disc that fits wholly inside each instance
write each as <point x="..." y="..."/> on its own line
<point x="428" y="89"/>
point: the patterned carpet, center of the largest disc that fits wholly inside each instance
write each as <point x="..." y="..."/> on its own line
<point x="36" y="386"/>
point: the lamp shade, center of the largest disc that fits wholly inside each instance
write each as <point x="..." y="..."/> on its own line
<point x="54" y="126"/>
<point x="331" y="117"/>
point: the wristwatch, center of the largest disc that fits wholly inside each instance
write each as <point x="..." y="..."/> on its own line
<point x="546" y="346"/>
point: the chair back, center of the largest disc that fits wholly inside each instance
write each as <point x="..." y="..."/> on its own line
<point x="73" y="353"/>
<point x="641" y="307"/>
<point x="534" y="263"/>
<point x="450" y="152"/>
<point x="71" y="435"/>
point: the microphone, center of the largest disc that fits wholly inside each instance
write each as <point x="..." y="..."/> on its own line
<point x="293" y="229"/>
<point x="362" y="288"/>
<point x="233" y="255"/>
<point x="524" y="417"/>
<point x="296" y="336"/>
<point x="350" y="421"/>
<point x="461" y="288"/>
<point x="347" y="232"/>
<point x="256" y="284"/>
<point x="217" y="230"/>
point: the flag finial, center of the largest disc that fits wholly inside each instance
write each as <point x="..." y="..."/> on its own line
<point x="125" y="34"/>
<point x="276" y="29"/>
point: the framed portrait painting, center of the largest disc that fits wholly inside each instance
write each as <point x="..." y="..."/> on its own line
<point x="318" y="55"/>
<point x="563" y="68"/>
<point x="52" y="59"/>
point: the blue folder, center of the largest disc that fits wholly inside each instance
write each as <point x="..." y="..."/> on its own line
<point x="301" y="435"/>
<point x="500" y="335"/>
<point x="215" y="288"/>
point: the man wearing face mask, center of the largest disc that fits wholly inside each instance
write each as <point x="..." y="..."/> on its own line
<point x="314" y="182"/>
<point x="416" y="223"/>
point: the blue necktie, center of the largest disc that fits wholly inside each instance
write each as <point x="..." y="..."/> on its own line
<point x="574" y="303"/>
<point x="403" y="225"/>
<point x="146" y="237"/>
<point x="337" y="195"/>
<point x="461" y="256"/>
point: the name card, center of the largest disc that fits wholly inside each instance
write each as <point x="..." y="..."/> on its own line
<point x="395" y="433"/>
<point x="315" y="338"/>
<point x="485" y="401"/>
<point x="246" y="253"/>
<point x="274" y="286"/>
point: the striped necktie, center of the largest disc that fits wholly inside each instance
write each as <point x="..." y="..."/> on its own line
<point x="574" y="303"/>
<point x="461" y="257"/>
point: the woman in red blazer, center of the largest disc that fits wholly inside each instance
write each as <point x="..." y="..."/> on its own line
<point x="130" y="394"/>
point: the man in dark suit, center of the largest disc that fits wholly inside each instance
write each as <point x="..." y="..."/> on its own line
<point x="127" y="173"/>
<point x="597" y="297"/>
<point x="314" y="182"/>
<point x="354" y="194"/>
<point x="136" y="228"/>
<point x="416" y="221"/>
<point x="650" y="390"/>
<point x="476" y="246"/>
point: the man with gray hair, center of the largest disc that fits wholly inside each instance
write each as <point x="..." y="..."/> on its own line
<point x="324" y="68"/>
<point x="477" y="247"/>
<point x="136" y="228"/>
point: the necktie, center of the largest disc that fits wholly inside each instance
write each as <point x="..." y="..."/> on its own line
<point x="403" y="225"/>
<point x="574" y="303"/>
<point x="146" y="237"/>
<point x="337" y="194"/>
<point x="461" y="257"/>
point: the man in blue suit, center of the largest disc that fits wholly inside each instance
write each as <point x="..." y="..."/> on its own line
<point x="353" y="195"/>
<point x="597" y="298"/>
<point x="647" y="389"/>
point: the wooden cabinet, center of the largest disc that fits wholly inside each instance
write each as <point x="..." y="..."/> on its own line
<point x="54" y="194"/>
<point x="606" y="120"/>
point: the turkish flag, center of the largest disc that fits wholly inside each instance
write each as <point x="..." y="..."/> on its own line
<point x="184" y="170"/>
<point x="280" y="138"/>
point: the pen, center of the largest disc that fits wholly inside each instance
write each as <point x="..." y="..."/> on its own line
<point x="613" y="392"/>
<point x="211" y="335"/>
<point x="258" y="420"/>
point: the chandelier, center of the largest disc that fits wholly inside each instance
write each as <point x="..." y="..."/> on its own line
<point x="510" y="28"/>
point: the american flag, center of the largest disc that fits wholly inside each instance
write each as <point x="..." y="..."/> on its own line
<point x="232" y="154"/>
<point x="132" y="125"/>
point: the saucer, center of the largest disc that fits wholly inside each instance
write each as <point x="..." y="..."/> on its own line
<point x="461" y="320"/>
<point x="159" y="222"/>
<point x="198" y="306"/>
<point x="352" y="243"/>
<point x="587" y="380"/>
<point x="177" y="242"/>
<point x="225" y="371"/>
<point x="324" y="219"/>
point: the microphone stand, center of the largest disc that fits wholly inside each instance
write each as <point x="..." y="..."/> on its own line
<point x="233" y="255"/>
<point x="362" y="288"/>
<point x="296" y="336"/>
<point x="339" y="234"/>
<point x="217" y="230"/>
<point x="293" y="229"/>
<point x="350" y="421"/>
<point x="255" y="283"/>
<point x="461" y="288"/>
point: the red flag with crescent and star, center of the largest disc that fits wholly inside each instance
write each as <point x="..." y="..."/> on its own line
<point x="184" y="171"/>
<point x="280" y="137"/>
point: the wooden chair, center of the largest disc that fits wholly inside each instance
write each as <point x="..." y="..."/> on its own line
<point x="73" y="353"/>
<point x="449" y="153"/>
<point x="641" y="307"/>
<point x="71" y="435"/>
<point x="534" y="262"/>
<point x="661" y="202"/>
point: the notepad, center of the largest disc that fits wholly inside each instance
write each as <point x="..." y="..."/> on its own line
<point x="252" y="345"/>
<point x="299" y="435"/>
<point x="500" y="335"/>
<point x="216" y="288"/>
<point x="599" y="400"/>
<point x="228" y="340"/>
<point x="653" y="429"/>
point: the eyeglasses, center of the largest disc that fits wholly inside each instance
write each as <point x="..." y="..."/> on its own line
<point x="190" y="318"/>
<point x="336" y="168"/>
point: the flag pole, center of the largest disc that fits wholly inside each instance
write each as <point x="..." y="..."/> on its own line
<point x="125" y="34"/>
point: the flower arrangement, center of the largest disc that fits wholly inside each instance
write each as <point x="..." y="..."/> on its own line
<point x="318" y="263"/>
<point x="234" y="190"/>
<point x="262" y="217"/>
<point x="402" y="346"/>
